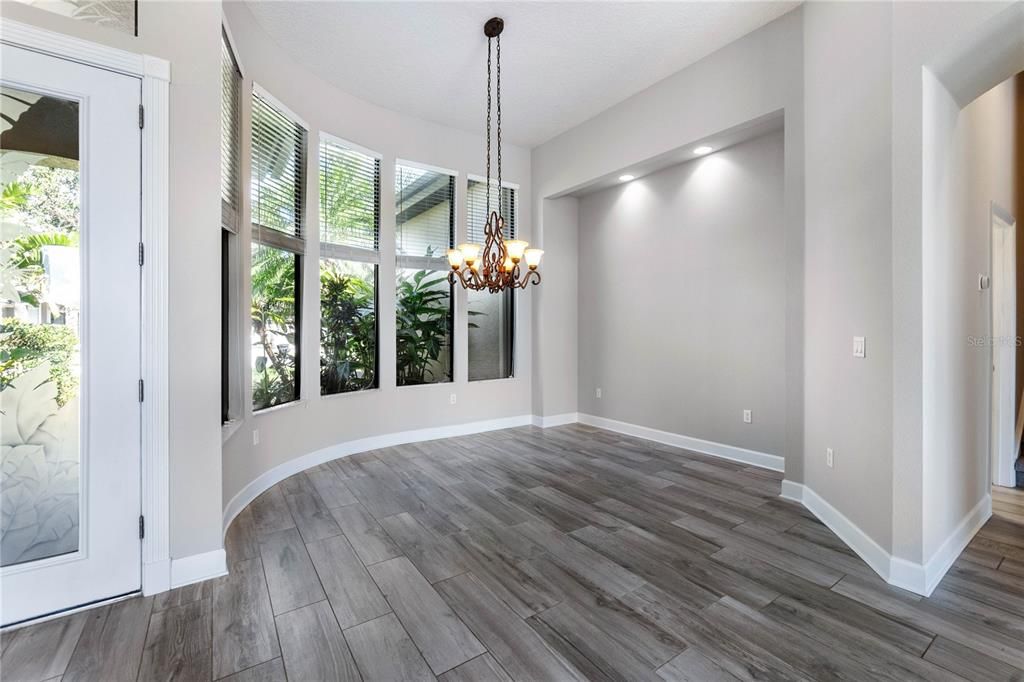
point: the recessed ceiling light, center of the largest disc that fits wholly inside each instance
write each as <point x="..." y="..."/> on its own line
<point x="626" y="178"/>
<point x="703" y="149"/>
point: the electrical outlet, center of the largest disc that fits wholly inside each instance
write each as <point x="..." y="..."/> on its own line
<point x="830" y="458"/>
<point x="747" y="417"/>
<point x="255" y="436"/>
<point x="451" y="399"/>
<point x="598" y="393"/>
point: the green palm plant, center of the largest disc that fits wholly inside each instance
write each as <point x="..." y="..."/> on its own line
<point x="273" y="326"/>
<point x="348" y="331"/>
<point x="424" y="327"/>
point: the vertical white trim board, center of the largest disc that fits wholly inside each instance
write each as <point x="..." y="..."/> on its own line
<point x="155" y="74"/>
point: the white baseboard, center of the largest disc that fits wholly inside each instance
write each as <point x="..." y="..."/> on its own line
<point x="197" y="567"/>
<point x="706" y="447"/>
<point x="792" y="491"/>
<point x="918" y="578"/>
<point x="156" y="577"/>
<point x="555" y="420"/>
<point x="293" y="466"/>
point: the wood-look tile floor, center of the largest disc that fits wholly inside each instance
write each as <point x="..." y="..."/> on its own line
<point x="563" y="554"/>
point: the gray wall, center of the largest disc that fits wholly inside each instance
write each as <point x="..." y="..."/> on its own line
<point x="194" y="257"/>
<point x="978" y="169"/>
<point x="848" y="264"/>
<point x="555" y="369"/>
<point x="682" y="304"/>
<point x="758" y="75"/>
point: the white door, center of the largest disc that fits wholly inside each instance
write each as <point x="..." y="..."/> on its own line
<point x="1004" y="443"/>
<point x="70" y="428"/>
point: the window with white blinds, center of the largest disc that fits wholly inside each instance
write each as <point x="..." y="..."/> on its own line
<point x="230" y="136"/>
<point x="278" y="169"/>
<point x="278" y="245"/>
<point x="476" y="209"/>
<point x="491" y="336"/>
<point x="349" y="201"/>
<point x="424" y="216"/>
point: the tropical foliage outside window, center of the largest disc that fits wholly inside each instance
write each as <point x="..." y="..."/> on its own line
<point x="425" y="229"/>
<point x="349" y="232"/>
<point x="278" y="194"/>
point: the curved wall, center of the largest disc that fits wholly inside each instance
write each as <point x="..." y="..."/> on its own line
<point x="324" y="427"/>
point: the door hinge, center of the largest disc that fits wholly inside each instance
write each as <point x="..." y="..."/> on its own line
<point x="142" y="116"/>
<point x="142" y="526"/>
<point x="142" y="393"/>
<point x="142" y="254"/>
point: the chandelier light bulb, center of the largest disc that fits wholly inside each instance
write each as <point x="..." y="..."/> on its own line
<point x="533" y="257"/>
<point x="455" y="258"/>
<point x="470" y="252"/>
<point x="516" y="247"/>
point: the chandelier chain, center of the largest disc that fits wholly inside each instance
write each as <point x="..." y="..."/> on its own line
<point x="499" y="123"/>
<point x="488" y="189"/>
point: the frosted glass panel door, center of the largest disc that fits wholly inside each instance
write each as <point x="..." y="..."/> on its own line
<point x="69" y="334"/>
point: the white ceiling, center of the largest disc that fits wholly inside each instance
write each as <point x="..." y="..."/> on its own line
<point x="562" y="62"/>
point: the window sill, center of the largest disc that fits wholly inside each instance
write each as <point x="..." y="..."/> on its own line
<point x="435" y="384"/>
<point x="473" y="382"/>
<point x="229" y="429"/>
<point x="277" y="408"/>
<point x="350" y="394"/>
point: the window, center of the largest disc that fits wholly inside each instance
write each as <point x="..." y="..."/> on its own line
<point x="230" y="191"/>
<point x="349" y="258"/>
<point x="491" y="316"/>
<point x="278" y="196"/>
<point x="425" y="230"/>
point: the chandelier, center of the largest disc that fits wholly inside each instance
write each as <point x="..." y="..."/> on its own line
<point x="497" y="265"/>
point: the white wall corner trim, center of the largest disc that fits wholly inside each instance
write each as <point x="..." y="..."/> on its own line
<point x="293" y="466"/>
<point x="792" y="491"/>
<point x="918" y="578"/>
<point x="155" y="76"/>
<point x="706" y="447"/>
<point x="198" y="567"/>
<point x="555" y="420"/>
<point x="924" y="578"/>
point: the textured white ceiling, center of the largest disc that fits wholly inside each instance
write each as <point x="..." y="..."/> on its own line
<point x="562" y="63"/>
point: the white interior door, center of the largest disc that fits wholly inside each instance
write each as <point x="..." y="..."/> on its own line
<point x="1003" y="442"/>
<point x="70" y="428"/>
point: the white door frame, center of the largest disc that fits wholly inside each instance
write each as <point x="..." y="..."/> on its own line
<point x="155" y="74"/>
<point x="1004" y="441"/>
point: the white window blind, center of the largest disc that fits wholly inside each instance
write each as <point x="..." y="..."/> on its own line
<point x="278" y="170"/>
<point x="476" y="209"/>
<point x="230" y="136"/>
<point x="424" y="216"/>
<point x="349" y="202"/>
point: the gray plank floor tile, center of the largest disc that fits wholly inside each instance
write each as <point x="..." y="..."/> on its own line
<point x="271" y="671"/>
<point x="513" y="643"/>
<point x="368" y="539"/>
<point x="481" y="669"/>
<point x="442" y="637"/>
<point x="313" y="647"/>
<point x="354" y="596"/>
<point x="291" y="578"/>
<point x="384" y="652"/>
<point x="179" y="645"/>
<point x="243" y="620"/>
<point x="42" y="651"/>
<point x="113" y="652"/>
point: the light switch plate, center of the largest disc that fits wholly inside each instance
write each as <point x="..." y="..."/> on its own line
<point x="747" y="417"/>
<point x="858" y="347"/>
